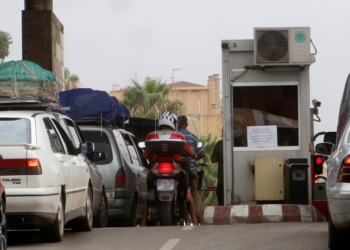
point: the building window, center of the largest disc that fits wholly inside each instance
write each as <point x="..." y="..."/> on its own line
<point x="263" y="106"/>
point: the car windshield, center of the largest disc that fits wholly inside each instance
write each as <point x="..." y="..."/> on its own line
<point x="14" y="130"/>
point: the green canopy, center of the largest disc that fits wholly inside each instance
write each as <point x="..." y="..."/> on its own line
<point x="16" y="71"/>
<point x="27" y="79"/>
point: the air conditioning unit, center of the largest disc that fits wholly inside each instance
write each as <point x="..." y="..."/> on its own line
<point x="282" y="46"/>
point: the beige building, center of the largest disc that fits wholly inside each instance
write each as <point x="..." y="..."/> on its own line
<point x="203" y="105"/>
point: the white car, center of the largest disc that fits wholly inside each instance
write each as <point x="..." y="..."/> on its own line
<point x="47" y="181"/>
<point x="338" y="190"/>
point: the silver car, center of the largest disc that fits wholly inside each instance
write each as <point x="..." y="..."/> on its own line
<point x="338" y="190"/>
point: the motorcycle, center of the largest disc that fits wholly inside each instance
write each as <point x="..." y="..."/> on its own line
<point x="169" y="171"/>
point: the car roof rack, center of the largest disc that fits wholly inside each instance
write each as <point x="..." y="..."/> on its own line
<point x="28" y="103"/>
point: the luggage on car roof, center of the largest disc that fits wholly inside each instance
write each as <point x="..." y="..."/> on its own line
<point x="84" y="102"/>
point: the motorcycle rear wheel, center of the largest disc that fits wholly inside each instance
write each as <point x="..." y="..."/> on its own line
<point x="166" y="214"/>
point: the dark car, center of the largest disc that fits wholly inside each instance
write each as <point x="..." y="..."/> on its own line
<point x="3" y="222"/>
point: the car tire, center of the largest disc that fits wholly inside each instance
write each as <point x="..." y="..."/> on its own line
<point x="336" y="238"/>
<point x="132" y="221"/>
<point x="3" y="224"/>
<point x="101" y="218"/>
<point x="55" y="232"/>
<point x="85" y="223"/>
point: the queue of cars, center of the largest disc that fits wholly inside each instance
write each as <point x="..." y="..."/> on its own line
<point x="57" y="174"/>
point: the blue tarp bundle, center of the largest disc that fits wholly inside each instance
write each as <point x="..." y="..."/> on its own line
<point x="85" y="102"/>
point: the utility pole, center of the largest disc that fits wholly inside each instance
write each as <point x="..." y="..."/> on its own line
<point x="178" y="69"/>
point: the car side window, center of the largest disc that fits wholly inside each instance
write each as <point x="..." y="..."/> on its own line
<point x="122" y="144"/>
<point x="347" y="89"/>
<point x="66" y="140"/>
<point x="102" y="144"/>
<point x="55" y="141"/>
<point x="74" y="133"/>
<point x="132" y="150"/>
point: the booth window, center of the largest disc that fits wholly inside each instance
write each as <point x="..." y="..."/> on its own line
<point x="266" y="105"/>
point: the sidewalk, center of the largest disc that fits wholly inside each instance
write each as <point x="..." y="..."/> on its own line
<point x="226" y="215"/>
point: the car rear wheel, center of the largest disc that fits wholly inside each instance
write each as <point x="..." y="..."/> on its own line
<point x="55" y="232"/>
<point x="336" y="238"/>
<point x="85" y="224"/>
<point x="132" y="221"/>
<point x="101" y="219"/>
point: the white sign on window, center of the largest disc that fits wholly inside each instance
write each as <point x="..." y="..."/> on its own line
<point x="262" y="136"/>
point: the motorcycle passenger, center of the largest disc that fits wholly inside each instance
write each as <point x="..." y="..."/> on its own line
<point x="167" y="121"/>
<point x="193" y="140"/>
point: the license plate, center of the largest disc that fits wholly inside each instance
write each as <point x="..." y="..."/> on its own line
<point x="165" y="185"/>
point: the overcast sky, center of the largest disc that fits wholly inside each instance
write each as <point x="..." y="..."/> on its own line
<point x="109" y="42"/>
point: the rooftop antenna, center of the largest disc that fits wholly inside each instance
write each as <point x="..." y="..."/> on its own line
<point x="178" y="69"/>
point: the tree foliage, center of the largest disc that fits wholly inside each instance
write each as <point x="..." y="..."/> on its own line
<point x="5" y="41"/>
<point x="149" y="99"/>
<point x="211" y="172"/>
<point x="70" y="81"/>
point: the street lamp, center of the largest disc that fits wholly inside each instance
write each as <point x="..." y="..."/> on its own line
<point x="178" y="69"/>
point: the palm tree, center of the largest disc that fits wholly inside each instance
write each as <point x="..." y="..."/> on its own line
<point x="211" y="172"/>
<point x="70" y="81"/>
<point x="150" y="99"/>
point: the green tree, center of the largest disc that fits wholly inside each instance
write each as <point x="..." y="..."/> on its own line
<point x="149" y="99"/>
<point x="70" y="81"/>
<point x="211" y="172"/>
<point x="5" y="41"/>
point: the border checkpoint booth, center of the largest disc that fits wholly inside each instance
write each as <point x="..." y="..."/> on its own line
<point x="268" y="122"/>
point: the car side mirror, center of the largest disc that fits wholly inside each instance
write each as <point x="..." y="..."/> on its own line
<point x="324" y="148"/>
<point x="87" y="147"/>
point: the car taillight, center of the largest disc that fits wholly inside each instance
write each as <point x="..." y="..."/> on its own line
<point x="152" y="136"/>
<point x="344" y="170"/>
<point x="165" y="167"/>
<point x="120" y="178"/>
<point x="177" y="136"/>
<point x="20" y="167"/>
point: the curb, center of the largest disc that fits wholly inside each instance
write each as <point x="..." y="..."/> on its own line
<point x="226" y="215"/>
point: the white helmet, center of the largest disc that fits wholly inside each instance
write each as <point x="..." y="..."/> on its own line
<point x="168" y="119"/>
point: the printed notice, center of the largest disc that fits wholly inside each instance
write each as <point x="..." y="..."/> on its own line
<point x="262" y="136"/>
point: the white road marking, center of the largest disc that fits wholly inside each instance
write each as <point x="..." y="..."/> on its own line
<point x="187" y="228"/>
<point x="170" y="244"/>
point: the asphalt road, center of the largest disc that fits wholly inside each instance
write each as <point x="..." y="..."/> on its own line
<point x="285" y="236"/>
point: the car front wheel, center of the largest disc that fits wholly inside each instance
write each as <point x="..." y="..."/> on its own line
<point x="101" y="219"/>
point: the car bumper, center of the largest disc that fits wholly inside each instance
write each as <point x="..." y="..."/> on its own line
<point x="339" y="208"/>
<point x="120" y="207"/>
<point x="32" y="206"/>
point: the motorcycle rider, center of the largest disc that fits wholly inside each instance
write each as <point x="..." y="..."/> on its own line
<point x="167" y="121"/>
<point x="193" y="140"/>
